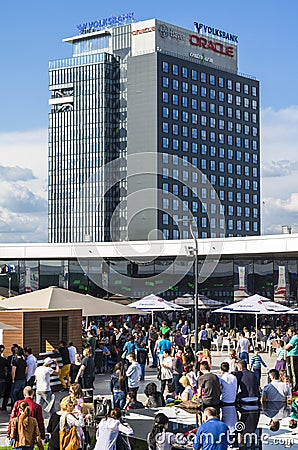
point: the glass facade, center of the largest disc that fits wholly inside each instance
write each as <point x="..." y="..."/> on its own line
<point x="273" y="277"/>
<point x="217" y="132"/>
<point x="83" y="137"/>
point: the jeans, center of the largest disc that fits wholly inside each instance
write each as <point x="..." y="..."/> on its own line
<point x="142" y="371"/>
<point x="119" y="399"/>
<point x="244" y="356"/>
<point x="43" y="397"/>
<point x="17" y="390"/>
<point x="164" y="383"/>
<point x="257" y="373"/>
<point x="178" y="386"/>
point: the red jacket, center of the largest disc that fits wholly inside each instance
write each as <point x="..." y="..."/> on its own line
<point x="36" y="412"/>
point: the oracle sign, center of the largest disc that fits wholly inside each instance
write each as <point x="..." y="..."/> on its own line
<point x="143" y="30"/>
<point x="217" y="47"/>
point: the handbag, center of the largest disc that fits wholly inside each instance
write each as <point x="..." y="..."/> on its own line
<point x="102" y="407"/>
<point x="68" y="438"/>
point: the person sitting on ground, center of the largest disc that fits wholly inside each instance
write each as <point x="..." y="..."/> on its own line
<point x="209" y="386"/>
<point x="276" y="390"/>
<point x="229" y="385"/>
<point x="154" y="397"/>
<point x="247" y="384"/>
<point x="131" y="402"/>
<point x="109" y="429"/>
<point x="187" y="393"/>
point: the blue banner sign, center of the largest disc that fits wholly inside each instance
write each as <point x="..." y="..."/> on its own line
<point x="201" y="28"/>
<point x="110" y="22"/>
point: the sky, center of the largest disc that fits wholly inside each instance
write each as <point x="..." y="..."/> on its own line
<point x="31" y="35"/>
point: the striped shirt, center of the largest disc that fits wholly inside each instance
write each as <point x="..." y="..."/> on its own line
<point x="257" y="361"/>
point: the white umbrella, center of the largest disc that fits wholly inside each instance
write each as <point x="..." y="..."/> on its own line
<point x="152" y="303"/>
<point x="255" y="304"/>
<point x="203" y="301"/>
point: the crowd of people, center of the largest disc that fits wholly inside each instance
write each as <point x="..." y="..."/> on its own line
<point x="183" y="376"/>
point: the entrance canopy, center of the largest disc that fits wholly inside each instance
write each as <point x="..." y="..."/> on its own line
<point x="57" y="298"/>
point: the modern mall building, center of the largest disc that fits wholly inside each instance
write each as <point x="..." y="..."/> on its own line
<point x="150" y="123"/>
<point x="228" y="268"/>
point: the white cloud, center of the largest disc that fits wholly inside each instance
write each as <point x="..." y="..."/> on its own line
<point x="279" y="146"/>
<point x="23" y="186"/>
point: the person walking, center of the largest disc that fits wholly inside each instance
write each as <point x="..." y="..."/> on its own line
<point x="118" y="386"/>
<point x="292" y="357"/>
<point x="43" y="383"/>
<point x="256" y="365"/>
<point x="64" y="375"/>
<point x="87" y="370"/>
<point x="243" y="348"/>
<point x="133" y="374"/>
<point x="24" y="429"/>
<point x="36" y="411"/>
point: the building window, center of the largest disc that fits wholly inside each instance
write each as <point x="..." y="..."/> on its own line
<point x="230" y="84"/>
<point x="194" y="118"/>
<point x="175" y="69"/>
<point x="165" y="67"/>
<point x="184" y="86"/>
<point x="175" y="99"/>
<point x="194" y="89"/>
<point x="238" y="86"/>
<point x="165" y="188"/>
<point x="221" y="110"/>
<point x="221" y="82"/>
<point x="175" y="84"/>
<point x="165" y="112"/>
<point x="165" y="97"/>
<point x="212" y="94"/>
<point x="203" y="149"/>
<point x="194" y="133"/>
<point x="185" y="131"/>
<point x="165" y="82"/>
<point x="165" y="203"/>
<point x="165" y="219"/>
<point x="203" y="106"/>
<point x="203" y="121"/>
<point x="212" y="108"/>
<point x="184" y="116"/>
<point x="175" y="129"/>
<point x="175" y="144"/>
<point x="230" y="98"/>
<point x="165" y="127"/>
<point x="194" y="75"/>
<point x="194" y="147"/>
<point x="203" y="91"/>
<point x="185" y="102"/>
<point x="165" y="142"/>
<point x="203" y="77"/>
<point x="253" y="91"/>
<point x="184" y="72"/>
<point x="185" y="146"/>
<point x="175" y="114"/>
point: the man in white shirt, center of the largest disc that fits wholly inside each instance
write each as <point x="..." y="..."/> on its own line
<point x="277" y="390"/>
<point x="133" y="374"/>
<point x="243" y="348"/>
<point x="43" y="384"/>
<point x="31" y="364"/>
<point x="229" y="385"/>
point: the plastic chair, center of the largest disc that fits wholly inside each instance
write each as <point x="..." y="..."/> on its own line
<point x="225" y="343"/>
<point x="215" y="344"/>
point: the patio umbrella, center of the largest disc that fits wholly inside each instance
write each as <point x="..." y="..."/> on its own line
<point x="255" y="304"/>
<point x="57" y="298"/>
<point x="152" y="303"/>
<point x="203" y="301"/>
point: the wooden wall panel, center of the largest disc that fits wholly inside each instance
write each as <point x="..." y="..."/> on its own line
<point x="28" y="324"/>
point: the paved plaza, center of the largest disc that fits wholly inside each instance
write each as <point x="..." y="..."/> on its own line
<point x="102" y="386"/>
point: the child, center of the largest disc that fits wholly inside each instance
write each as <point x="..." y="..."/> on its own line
<point x="256" y="364"/>
<point x="76" y="392"/>
<point x="281" y="356"/>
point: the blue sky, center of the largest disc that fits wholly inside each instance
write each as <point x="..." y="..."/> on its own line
<point x="31" y="35"/>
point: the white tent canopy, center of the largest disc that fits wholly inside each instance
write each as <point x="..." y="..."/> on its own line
<point x="255" y="304"/>
<point x="57" y="298"/>
<point x="152" y="303"/>
<point x="203" y="301"/>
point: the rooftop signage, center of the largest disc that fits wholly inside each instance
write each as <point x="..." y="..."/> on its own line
<point x="207" y="30"/>
<point x="109" y="22"/>
<point x="217" y="47"/>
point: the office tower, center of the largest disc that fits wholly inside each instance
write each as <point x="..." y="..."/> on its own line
<point x="151" y="96"/>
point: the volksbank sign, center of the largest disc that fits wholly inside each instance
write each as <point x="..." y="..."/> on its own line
<point x="205" y="29"/>
<point x="109" y="22"/>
